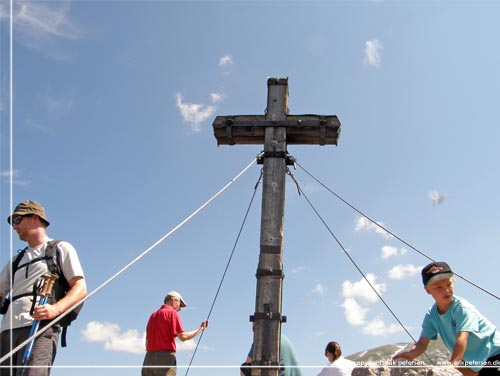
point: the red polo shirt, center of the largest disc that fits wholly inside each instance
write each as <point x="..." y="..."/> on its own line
<point x="163" y="326"/>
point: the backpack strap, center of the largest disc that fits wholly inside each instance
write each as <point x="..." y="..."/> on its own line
<point x="63" y="336"/>
<point x="16" y="262"/>
<point x="53" y="263"/>
<point x="16" y="265"/>
<point x="52" y="258"/>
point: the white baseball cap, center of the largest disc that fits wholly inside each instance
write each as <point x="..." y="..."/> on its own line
<point x="175" y="294"/>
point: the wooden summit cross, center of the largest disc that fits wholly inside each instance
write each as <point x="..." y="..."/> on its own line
<point x="276" y="129"/>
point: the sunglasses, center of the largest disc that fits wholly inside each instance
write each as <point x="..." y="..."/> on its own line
<point x="18" y="219"/>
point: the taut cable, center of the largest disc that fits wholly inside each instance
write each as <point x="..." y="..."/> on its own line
<point x="129" y="265"/>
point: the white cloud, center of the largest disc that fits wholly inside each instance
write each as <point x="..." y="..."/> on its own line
<point x="309" y="187"/>
<point x="39" y="24"/>
<point x="14" y="175"/>
<point x="216" y="97"/>
<point x="372" y="52"/>
<point x="377" y="327"/>
<point x="319" y="289"/>
<point x="388" y="251"/>
<point x="8" y="174"/>
<point x="354" y="313"/>
<point x="194" y="114"/>
<point x="225" y="60"/>
<point x="131" y="341"/>
<point x="403" y="271"/>
<point x="318" y="334"/>
<point x="41" y="127"/>
<point x="436" y="197"/>
<point x="297" y="269"/>
<point x="361" y="289"/>
<point x="187" y="345"/>
<point x="363" y="223"/>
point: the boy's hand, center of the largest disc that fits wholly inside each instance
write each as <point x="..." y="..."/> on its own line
<point x="403" y="355"/>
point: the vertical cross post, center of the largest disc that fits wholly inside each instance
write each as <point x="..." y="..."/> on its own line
<point x="276" y="129"/>
<point x="267" y="318"/>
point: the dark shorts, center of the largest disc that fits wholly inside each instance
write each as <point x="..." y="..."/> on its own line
<point x="491" y="371"/>
<point x="162" y="360"/>
<point x="42" y="354"/>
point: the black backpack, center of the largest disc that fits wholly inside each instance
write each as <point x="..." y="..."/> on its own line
<point x="61" y="286"/>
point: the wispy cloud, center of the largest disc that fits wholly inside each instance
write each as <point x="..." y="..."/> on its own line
<point x="7" y="174"/>
<point x="436" y="197"/>
<point x="216" y="97"/>
<point x="372" y="53"/>
<point x="4" y="88"/>
<point x="38" y="25"/>
<point x="309" y="187"/>
<point x="130" y="341"/>
<point x="363" y="223"/>
<point x="298" y="269"/>
<point x="319" y="334"/>
<point x="225" y="60"/>
<point x="16" y="179"/>
<point x="225" y="63"/>
<point x="388" y="251"/>
<point x="403" y="271"/>
<point x="56" y="106"/>
<point x="319" y="289"/>
<point x="41" y="127"/>
<point x="194" y="114"/>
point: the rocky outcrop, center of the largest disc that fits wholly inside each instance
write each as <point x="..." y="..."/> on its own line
<point x="378" y="362"/>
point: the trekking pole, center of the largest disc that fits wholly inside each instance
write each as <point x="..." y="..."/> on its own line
<point x="48" y="284"/>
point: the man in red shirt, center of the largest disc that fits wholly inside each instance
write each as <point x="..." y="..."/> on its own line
<point x="163" y="327"/>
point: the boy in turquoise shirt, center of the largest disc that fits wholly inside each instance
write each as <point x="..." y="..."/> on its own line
<point x="473" y="341"/>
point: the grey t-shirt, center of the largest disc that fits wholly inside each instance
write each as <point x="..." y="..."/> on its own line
<point x="20" y="308"/>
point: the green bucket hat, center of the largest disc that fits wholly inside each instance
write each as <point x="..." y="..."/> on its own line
<point x="29" y="207"/>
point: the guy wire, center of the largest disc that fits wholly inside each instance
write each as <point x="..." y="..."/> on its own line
<point x="227" y="266"/>
<point x="129" y="265"/>
<point x="391" y="233"/>
<point x="352" y="260"/>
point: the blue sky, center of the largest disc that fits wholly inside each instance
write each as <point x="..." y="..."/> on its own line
<point x="113" y="104"/>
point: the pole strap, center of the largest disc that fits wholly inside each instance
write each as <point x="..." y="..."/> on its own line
<point x="270" y="273"/>
<point x="271" y="249"/>
<point x="267" y="316"/>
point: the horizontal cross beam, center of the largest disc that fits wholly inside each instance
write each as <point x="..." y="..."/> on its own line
<point x="300" y="129"/>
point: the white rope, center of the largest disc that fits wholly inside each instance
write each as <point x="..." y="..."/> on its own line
<point x="130" y="264"/>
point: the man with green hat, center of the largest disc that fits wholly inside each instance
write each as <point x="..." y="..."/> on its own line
<point x="30" y="222"/>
